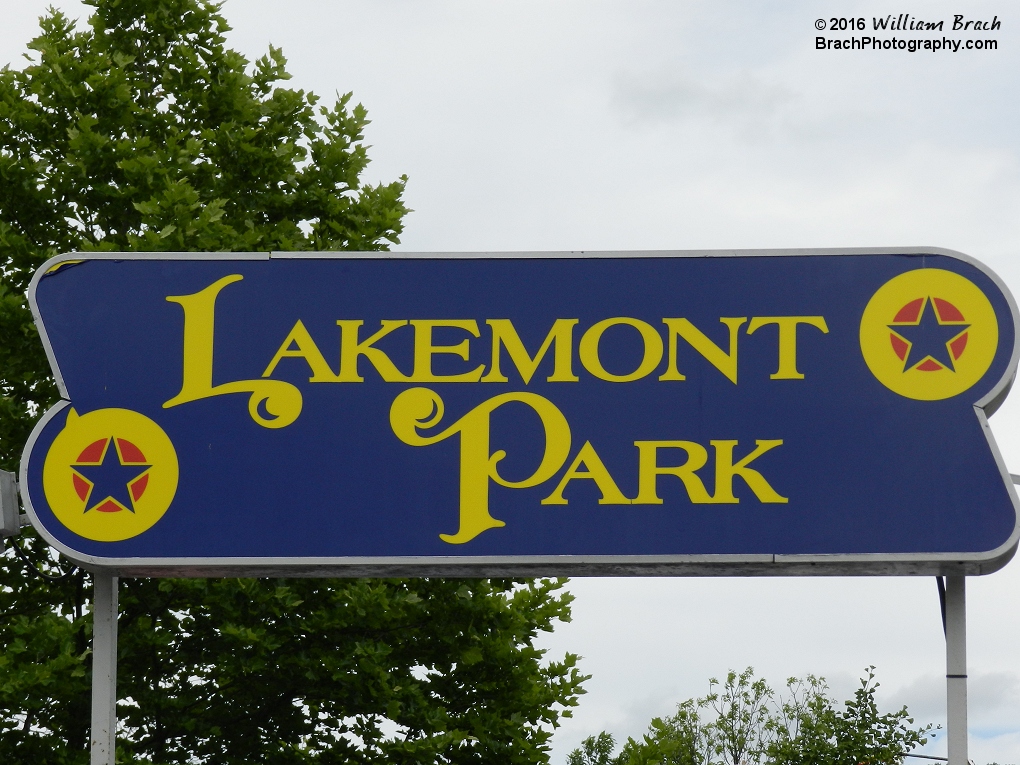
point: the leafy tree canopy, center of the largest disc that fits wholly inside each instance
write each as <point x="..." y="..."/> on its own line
<point x="744" y="722"/>
<point x="143" y="131"/>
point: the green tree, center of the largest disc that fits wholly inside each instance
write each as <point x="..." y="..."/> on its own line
<point x="742" y="722"/>
<point x="742" y="714"/>
<point x="680" y="739"/>
<point x="594" y="750"/>
<point x="858" y="734"/>
<point x="143" y="131"/>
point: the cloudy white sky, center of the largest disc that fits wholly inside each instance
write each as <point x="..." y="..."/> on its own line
<point x="654" y="124"/>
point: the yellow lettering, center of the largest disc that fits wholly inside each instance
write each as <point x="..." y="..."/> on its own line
<point x="424" y="350"/>
<point x="422" y="409"/>
<point x="725" y="470"/>
<point x="282" y="401"/>
<point x="504" y="334"/>
<point x="649" y="470"/>
<point x="306" y="349"/>
<point x="596" y="471"/>
<point x="351" y="349"/>
<point x="716" y="356"/>
<point x="588" y="350"/>
<point x="787" y="340"/>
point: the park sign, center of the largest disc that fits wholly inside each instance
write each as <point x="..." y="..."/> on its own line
<point x="691" y="413"/>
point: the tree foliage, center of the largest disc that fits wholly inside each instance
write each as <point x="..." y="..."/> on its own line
<point x="742" y="721"/>
<point x="144" y="131"/>
<point x="594" y="750"/>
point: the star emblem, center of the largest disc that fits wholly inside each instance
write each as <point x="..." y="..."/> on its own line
<point x="929" y="338"/>
<point x="111" y="480"/>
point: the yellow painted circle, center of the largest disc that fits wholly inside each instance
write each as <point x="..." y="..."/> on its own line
<point x="140" y="459"/>
<point x="958" y="312"/>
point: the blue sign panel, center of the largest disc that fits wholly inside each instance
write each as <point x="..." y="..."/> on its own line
<point x="692" y="413"/>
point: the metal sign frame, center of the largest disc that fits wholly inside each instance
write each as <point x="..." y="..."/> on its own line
<point x="543" y="565"/>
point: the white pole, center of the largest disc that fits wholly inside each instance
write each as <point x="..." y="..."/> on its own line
<point x="104" y="668"/>
<point x="956" y="668"/>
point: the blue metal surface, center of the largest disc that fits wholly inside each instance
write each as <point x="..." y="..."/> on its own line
<point x="865" y="470"/>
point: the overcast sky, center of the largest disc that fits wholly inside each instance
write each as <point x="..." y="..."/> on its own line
<point x="647" y="124"/>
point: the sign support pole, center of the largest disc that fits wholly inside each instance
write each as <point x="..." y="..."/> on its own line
<point x="956" y="668"/>
<point x="104" y="668"/>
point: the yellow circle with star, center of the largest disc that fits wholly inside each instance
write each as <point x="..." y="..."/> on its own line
<point x="110" y="474"/>
<point x="929" y="334"/>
